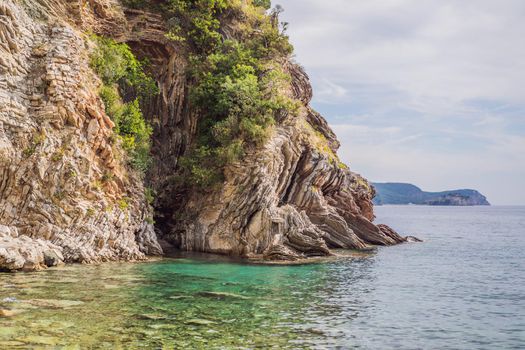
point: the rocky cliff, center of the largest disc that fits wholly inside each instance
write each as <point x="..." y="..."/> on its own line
<point x="57" y="202"/>
<point x="67" y="193"/>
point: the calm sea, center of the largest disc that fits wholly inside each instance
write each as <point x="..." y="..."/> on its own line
<point x="463" y="288"/>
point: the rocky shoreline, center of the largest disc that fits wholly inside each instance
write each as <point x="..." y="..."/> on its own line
<point x="67" y="194"/>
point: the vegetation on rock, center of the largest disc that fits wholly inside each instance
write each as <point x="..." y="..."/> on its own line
<point x="120" y="70"/>
<point x="237" y="79"/>
<point x="237" y="82"/>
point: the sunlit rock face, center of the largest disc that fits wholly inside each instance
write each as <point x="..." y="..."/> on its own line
<point x="64" y="189"/>
<point x="67" y="195"/>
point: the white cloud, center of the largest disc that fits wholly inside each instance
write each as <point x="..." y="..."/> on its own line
<point x="450" y="49"/>
<point x="428" y="91"/>
<point x="328" y="91"/>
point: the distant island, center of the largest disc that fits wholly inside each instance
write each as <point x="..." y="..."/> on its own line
<point x="403" y="193"/>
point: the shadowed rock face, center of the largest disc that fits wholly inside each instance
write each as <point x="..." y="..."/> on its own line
<point x="290" y="199"/>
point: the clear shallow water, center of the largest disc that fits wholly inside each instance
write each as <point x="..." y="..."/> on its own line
<point x="464" y="287"/>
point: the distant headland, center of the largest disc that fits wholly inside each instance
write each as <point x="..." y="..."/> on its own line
<point x="404" y="193"/>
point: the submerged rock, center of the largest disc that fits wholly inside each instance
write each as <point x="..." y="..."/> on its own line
<point x="153" y="317"/>
<point x="39" y="340"/>
<point x="8" y="313"/>
<point x="54" y="303"/>
<point x="222" y="295"/>
<point x="5" y="313"/>
<point x="200" y="322"/>
<point x="315" y="331"/>
<point x="9" y="344"/>
<point x="9" y="331"/>
<point x="163" y="326"/>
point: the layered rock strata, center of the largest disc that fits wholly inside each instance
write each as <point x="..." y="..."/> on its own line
<point x="66" y="194"/>
<point x="64" y="187"/>
<point x="291" y="199"/>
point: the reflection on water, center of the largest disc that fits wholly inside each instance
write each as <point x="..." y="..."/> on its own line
<point x="464" y="287"/>
<point x="184" y="303"/>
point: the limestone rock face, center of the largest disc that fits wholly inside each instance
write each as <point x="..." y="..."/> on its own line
<point x="289" y="200"/>
<point x="63" y="182"/>
<point x="66" y="194"/>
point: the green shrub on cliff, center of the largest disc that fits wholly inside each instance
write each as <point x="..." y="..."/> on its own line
<point x="119" y="69"/>
<point x="196" y="20"/>
<point x="237" y="80"/>
<point x="116" y="64"/>
<point x="135" y="133"/>
<point x="235" y="87"/>
<point x="232" y="101"/>
<point x="266" y="4"/>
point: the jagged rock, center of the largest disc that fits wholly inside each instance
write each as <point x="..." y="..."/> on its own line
<point x="288" y="200"/>
<point x="413" y="239"/>
<point x="54" y="148"/>
<point x="25" y="253"/>
<point x="146" y="238"/>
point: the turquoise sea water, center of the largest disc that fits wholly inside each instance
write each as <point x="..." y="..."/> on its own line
<point x="463" y="288"/>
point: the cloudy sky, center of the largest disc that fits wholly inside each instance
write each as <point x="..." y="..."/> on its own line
<point x="430" y="92"/>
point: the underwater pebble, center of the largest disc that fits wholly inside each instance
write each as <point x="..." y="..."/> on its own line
<point x="41" y="340"/>
<point x="59" y="304"/>
<point x="10" y="343"/>
<point x="222" y="295"/>
<point x="7" y="313"/>
<point x="9" y="300"/>
<point x="200" y="322"/>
